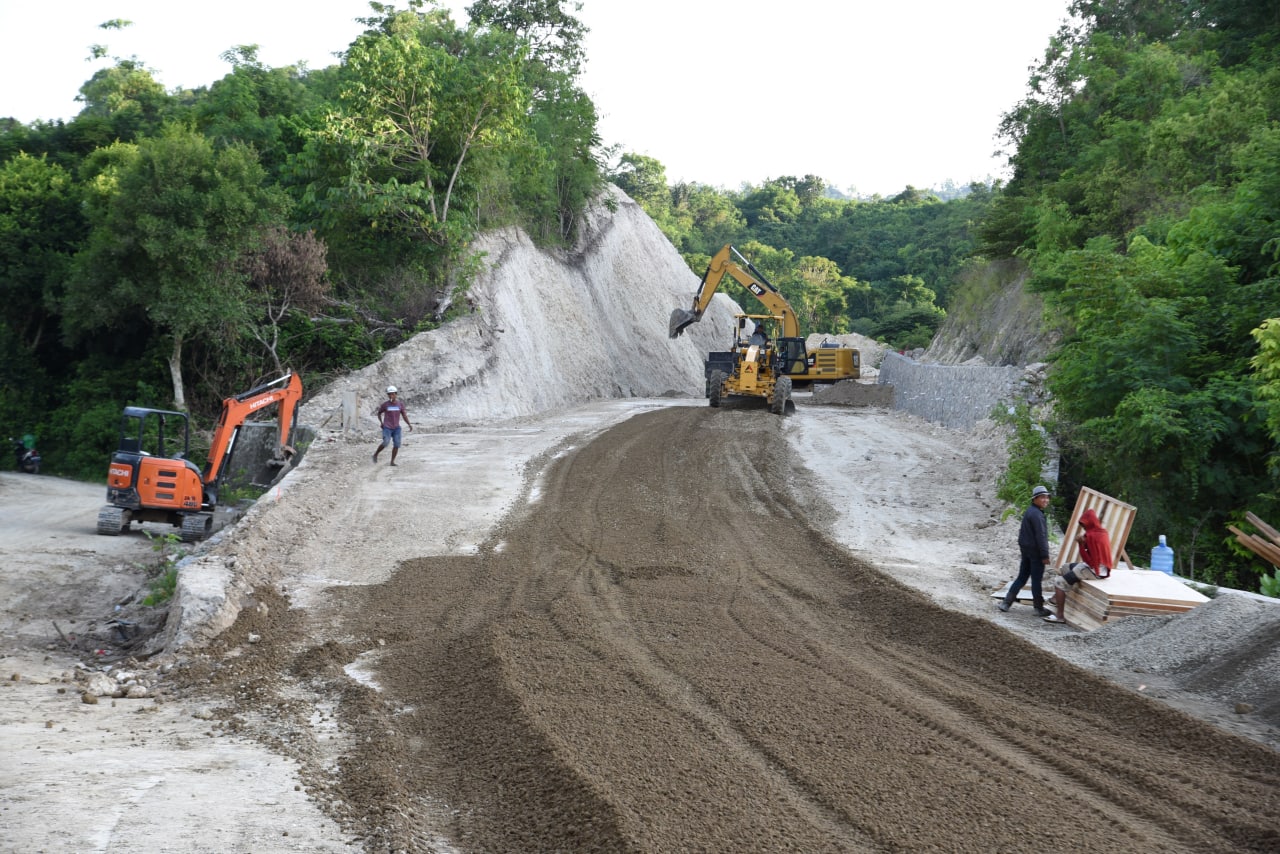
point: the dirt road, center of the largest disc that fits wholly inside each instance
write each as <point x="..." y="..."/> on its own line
<point x="662" y="653"/>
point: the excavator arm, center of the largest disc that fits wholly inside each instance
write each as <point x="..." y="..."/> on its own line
<point x="745" y="274"/>
<point x="286" y="391"/>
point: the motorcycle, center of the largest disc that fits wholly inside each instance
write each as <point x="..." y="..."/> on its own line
<point x="27" y="459"/>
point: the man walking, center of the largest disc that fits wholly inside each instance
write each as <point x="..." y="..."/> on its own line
<point x="390" y="413"/>
<point x="1033" y="543"/>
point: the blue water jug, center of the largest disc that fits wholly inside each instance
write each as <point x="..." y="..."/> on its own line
<point x="1162" y="557"/>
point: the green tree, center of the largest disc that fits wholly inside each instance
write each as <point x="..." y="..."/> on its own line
<point x="256" y="105"/>
<point x="170" y="219"/>
<point x="1266" y="366"/>
<point x="125" y="94"/>
<point x="555" y="172"/>
<point x="40" y="225"/>
<point x="553" y="37"/>
<point x="418" y="100"/>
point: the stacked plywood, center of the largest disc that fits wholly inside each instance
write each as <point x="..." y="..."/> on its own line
<point x="1125" y="593"/>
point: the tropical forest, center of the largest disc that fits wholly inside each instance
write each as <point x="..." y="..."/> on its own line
<point x="167" y="248"/>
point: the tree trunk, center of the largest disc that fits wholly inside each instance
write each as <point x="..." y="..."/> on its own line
<point x="175" y="373"/>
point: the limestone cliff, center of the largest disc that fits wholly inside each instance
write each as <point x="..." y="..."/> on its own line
<point x="551" y="329"/>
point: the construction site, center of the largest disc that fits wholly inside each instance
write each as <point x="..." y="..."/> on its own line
<point x="588" y="611"/>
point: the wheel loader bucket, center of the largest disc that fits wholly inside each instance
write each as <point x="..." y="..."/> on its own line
<point x="680" y="318"/>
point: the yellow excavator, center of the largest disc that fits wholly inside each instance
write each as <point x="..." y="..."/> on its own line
<point x="759" y="371"/>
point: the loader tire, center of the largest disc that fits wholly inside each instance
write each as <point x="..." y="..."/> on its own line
<point x="717" y="387"/>
<point x="781" y="394"/>
<point x="112" y="520"/>
<point x="196" y="526"/>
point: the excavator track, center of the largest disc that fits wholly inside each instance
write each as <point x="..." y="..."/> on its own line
<point x="196" y="526"/>
<point x="112" y="520"/>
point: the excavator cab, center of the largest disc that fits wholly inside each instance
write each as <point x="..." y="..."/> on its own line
<point x="795" y="358"/>
<point x="149" y="477"/>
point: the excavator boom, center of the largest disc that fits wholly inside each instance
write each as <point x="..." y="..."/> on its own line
<point x="287" y="391"/>
<point x="744" y="273"/>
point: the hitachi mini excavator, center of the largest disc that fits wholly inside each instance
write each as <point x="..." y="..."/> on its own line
<point x="775" y="365"/>
<point x="148" y="481"/>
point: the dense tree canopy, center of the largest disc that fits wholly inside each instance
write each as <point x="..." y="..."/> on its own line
<point x="1147" y="173"/>
<point x="280" y="216"/>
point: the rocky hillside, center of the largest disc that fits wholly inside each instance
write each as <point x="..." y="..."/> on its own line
<point x="551" y="329"/>
<point x="994" y="319"/>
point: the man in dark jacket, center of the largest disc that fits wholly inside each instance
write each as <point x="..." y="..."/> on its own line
<point x="1033" y="543"/>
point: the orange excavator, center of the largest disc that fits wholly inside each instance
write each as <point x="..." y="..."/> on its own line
<point x="149" y="481"/>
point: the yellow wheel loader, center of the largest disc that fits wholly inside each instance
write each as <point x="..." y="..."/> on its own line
<point x="755" y="367"/>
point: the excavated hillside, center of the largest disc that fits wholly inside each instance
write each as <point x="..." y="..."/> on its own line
<point x="587" y="612"/>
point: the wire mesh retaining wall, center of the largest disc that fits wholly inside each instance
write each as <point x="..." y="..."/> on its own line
<point x="955" y="396"/>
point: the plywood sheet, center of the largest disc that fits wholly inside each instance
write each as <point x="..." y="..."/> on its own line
<point x="1144" y="585"/>
<point x="1116" y="516"/>
<point x="1128" y="593"/>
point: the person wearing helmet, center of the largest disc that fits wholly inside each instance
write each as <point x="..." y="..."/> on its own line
<point x="1033" y="543"/>
<point x="389" y="414"/>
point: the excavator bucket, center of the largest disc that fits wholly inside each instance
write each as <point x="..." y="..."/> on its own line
<point x="680" y="318"/>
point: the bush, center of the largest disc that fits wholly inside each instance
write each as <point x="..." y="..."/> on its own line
<point x="1271" y="585"/>
<point x="1028" y="453"/>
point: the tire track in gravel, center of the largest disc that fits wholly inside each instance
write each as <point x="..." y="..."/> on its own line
<point x="660" y="654"/>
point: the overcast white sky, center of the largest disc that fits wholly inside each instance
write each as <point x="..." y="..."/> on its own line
<point x="868" y="95"/>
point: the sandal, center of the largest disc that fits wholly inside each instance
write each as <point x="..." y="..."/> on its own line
<point x="1053" y="618"/>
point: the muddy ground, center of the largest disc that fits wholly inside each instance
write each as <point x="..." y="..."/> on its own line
<point x="670" y="635"/>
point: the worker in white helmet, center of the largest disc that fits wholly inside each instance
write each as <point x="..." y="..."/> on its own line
<point x="389" y="414"/>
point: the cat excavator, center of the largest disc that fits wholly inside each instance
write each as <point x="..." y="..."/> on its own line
<point x="150" y="479"/>
<point x="778" y="364"/>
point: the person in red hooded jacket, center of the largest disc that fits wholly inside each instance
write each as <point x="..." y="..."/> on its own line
<point x="1094" y="563"/>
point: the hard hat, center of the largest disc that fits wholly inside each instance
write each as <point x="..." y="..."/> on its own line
<point x="1038" y="491"/>
<point x="391" y="389"/>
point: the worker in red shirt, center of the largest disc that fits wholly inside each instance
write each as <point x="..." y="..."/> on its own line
<point x="1095" y="562"/>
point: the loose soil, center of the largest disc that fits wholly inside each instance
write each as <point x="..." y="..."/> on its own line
<point x="687" y="629"/>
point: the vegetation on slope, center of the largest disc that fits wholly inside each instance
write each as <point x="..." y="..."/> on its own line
<point x="171" y="248"/>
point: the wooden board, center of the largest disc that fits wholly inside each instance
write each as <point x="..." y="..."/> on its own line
<point x="1115" y="515"/>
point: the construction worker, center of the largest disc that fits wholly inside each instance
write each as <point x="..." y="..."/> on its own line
<point x="390" y="413"/>
<point x="1033" y="543"/>
<point x="1095" y="551"/>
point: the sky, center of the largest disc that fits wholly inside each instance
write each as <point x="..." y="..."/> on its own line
<point x="870" y="96"/>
